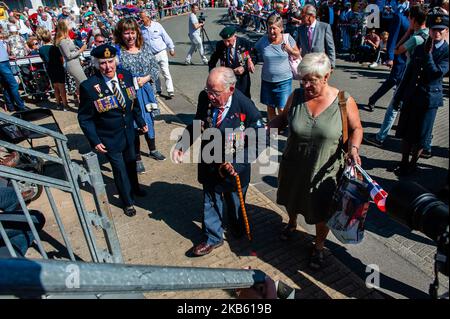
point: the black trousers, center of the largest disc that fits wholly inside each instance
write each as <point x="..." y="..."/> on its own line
<point x="243" y="84"/>
<point x="394" y="79"/>
<point x="124" y="171"/>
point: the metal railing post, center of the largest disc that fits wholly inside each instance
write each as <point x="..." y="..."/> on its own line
<point x="78" y="201"/>
<point x="102" y="205"/>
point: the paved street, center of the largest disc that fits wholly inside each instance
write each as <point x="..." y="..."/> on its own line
<point x="168" y="224"/>
<point x="169" y="218"/>
<point x="404" y="257"/>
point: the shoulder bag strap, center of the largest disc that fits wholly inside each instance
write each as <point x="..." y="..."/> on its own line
<point x="343" y="109"/>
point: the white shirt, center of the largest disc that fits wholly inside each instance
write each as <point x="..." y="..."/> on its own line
<point x="437" y="45"/>
<point x="23" y="28"/>
<point x="47" y="24"/>
<point x="157" y="37"/>
<point x="313" y="26"/>
<point x="110" y="84"/>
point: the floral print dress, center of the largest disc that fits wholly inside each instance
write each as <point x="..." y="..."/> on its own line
<point x="141" y="64"/>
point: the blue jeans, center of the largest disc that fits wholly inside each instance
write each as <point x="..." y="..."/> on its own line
<point x="427" y="142"/>
<point x="19" y="232"/>
<point x="388" y="122"/>
<point x="257" y="22"/>
<point x="213" y="209"/>
<point x="10" y="87"/>
<point x="8" y="199"/>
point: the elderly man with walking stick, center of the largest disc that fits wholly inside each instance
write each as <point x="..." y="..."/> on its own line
<point x="226" y="119"/>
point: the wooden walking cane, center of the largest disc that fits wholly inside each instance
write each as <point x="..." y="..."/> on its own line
<point x="244" y="212"/>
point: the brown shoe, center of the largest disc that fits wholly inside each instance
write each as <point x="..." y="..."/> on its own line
<point x="204" y="248"/>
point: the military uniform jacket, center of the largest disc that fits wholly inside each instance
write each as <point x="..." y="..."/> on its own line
<point x="241" y="54"/>
<point x="422" y="81"/>
<point x="242" y="114"/>
<point x="101" y="117"/>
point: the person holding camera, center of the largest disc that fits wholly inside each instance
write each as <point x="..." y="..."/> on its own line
<point x="195" y="26"/>
<point x="421" y="94"/>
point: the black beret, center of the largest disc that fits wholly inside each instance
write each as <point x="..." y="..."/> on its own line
<point x="227" y="32"/>
<point x="104" y="51"/>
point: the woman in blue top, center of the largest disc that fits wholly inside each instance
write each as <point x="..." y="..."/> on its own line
<point x="274" y="51"/>
<point x="136" y="57"/>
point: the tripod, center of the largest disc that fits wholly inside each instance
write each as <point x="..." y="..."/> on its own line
<point x="205" y="38"/>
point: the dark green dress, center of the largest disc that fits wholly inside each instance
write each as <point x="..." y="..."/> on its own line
<point x="312" y="161"/>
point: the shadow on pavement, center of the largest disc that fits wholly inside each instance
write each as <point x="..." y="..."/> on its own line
<point x="386" y="282"/>
<point x="292" y="257"/>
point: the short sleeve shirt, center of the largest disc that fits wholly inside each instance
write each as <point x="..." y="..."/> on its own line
<point x="415" y="40"/>
<point x="276" y="66"/>
<point x="192" y="21"/>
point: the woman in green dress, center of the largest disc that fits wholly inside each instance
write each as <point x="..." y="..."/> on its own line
<point x="313" y="159"/>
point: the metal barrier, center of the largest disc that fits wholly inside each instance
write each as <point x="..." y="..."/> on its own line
<point x="44" y="278"/>
<point x="105" y="276"/>
<point x="30" y="62"/>
<point x="100" y="218"/>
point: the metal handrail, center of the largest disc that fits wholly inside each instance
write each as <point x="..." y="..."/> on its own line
<point x="32" y="277"/>
<point x="73" y="173"/>
<point x="32" y="127"/>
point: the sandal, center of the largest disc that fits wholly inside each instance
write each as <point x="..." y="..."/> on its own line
<point x="287" y="232"/>
<point x="316" y="260"/>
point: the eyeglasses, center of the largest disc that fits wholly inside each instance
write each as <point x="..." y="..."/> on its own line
<point x="35" y="43"/>
<point x="311" y="82"/>
<point x="213" y="93"/>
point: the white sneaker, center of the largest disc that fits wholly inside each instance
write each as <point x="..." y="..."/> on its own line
<point x="188" y="62"/>
<point x="373" y="65"/>
<point x="205" y="61"/>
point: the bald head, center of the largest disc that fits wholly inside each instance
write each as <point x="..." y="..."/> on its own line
<point x="309" y="9"/>
<point x="145" y="17"/>
<point x="220" y="85"/>
<point x="309" y="14"/>
<point x="223" y="76"/>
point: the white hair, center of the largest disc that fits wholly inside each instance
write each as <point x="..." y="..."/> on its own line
<point x="226" y="76"/>
<point x="96" y="61"/>
<point x="310" y="10"/>
<point x="316" y="64"/>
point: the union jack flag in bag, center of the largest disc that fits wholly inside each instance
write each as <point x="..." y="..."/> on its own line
<point x="377" y="194"/>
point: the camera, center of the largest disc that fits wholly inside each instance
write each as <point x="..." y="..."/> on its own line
<point x="201" y="18"/>
<point x="417" y="208"/>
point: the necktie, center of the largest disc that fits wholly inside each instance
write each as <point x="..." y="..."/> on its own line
<point x="219" y="116"/>
<point x="118" y="95"/>
<point x="310" y="33"/>
<point x="231" y="56"/>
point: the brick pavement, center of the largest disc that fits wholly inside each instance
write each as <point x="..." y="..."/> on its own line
<point x="400" y="253"/>
<point x="168" y="223"/>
